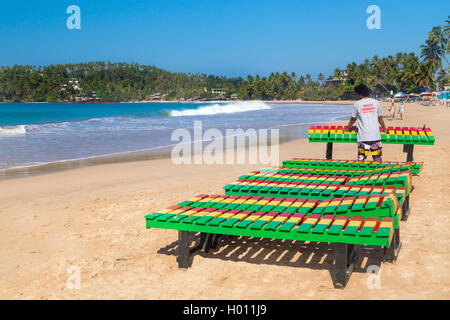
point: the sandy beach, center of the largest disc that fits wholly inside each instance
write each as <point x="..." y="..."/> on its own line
<point x="93" y="218"/>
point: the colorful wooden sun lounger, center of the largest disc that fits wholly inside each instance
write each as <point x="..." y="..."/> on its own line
<point x="325" y="164"/>
<point x="279" y="179"/>
<point x="408" y="137"/>
<point x="322" y="187"/>
<point x="322" y="192"/>
<point x="397" y="135"/>
<point x="313" y="191"/>
<point x="383" y="204"/>
<point x="213" y="215"/>
<point x="336" y="172"/>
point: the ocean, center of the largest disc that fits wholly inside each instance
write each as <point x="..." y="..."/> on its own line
<point x="61" y="135"/>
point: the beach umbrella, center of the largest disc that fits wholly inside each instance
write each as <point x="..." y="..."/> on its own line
<point x="425" y="94"/>
<point x="399" y="95"/>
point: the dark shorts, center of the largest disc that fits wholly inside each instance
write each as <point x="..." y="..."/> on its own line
<point x="374" y="147"/>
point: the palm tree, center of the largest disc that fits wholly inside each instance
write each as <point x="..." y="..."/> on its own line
<point x="337" y="74"/>
<point x="351" y="72"/>
<point x="442" y="78"/>
<point x="425" y="76"/>
<point x="411" y="72"/>
<point x="446" y="33"/>
<point x="447" y="27"/>
<point x="308" y="80"/>
<point x="434" y="49"/>
<point x="301" y="82"/>
<point x="320" y="77"/>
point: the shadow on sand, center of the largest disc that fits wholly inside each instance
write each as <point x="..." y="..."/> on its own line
<point x="289" y="253"/>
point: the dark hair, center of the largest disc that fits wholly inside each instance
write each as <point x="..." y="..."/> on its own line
<point x="362" y="90"/>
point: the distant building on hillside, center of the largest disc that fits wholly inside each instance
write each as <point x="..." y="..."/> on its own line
<point x="155" y="96"/>
<point x="341" y="79"/>
<point x="234" y="96"/>
<point x="74" y="83"/>
<point x="218" y="91"/>
<point x="333" y="81"/>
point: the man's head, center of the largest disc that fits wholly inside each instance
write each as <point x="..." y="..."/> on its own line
<point x="362" y="91"/>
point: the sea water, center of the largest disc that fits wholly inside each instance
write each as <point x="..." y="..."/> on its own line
<point x="33" y="134"/>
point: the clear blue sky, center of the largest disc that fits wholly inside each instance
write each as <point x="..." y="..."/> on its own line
<point x="230" y="37"/>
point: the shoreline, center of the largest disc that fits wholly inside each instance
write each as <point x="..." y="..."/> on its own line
<point x="160" y="152"/>
<point x="338" y="102"/>
<point x="124" y="157"/>
<point x="149" y="154"/>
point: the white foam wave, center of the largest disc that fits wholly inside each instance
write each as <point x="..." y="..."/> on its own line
<point x="106" y="124"/>
<point x="221" y="109"/>
<point x="12" y="131"/>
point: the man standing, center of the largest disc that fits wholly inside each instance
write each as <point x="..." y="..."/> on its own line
<point x="368" y="113"/>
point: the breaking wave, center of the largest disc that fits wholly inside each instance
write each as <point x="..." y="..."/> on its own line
<point x="12" y="131"/>
<point x="227" y="108"/>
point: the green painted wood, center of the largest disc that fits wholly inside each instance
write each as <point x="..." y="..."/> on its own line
<point x="382" y="238"/>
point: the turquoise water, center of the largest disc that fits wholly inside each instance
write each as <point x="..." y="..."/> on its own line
<point x="12" y="114"/>
<point x="42" y="133"/>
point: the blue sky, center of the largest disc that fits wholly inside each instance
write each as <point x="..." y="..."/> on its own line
<point x="232" y="37"/>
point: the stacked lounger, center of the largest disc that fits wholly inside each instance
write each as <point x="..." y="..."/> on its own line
<point x="342" y="202"/>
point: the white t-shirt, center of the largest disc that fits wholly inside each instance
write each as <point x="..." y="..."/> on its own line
<point x="367" y="111"/>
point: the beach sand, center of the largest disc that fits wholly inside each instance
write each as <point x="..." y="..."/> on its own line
<point x="93" y="218"/>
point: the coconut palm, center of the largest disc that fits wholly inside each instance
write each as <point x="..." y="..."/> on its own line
<point x="425" y="76"/>
<point x="447" y="27"/>
<point x="320" y="77"/>
<point x="337" y="74"/>
<point x="433" y="51"/>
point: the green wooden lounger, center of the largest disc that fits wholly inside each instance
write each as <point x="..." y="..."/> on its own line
<point x="397" y="135"/>
<point x="322" y="192"/>
<point x="400" y="179"/>
<point x="353" y="165"/>
<point x="341" y="224"/>
<point x="261" y="183"/>
<point x="408" y="137"/>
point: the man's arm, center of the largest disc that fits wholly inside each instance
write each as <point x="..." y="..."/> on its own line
<point x="381" y="121"/>
<point x="350" y="124"/>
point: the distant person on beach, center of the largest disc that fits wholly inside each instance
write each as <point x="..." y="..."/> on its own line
<point x="392" y="111"/>
<point x="368" y="112"/>
<point x="401" y="110"/>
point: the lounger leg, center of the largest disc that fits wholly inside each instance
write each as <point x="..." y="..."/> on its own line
<point x="211" y="241"/>
<point x="208" y="242"/>
<point x="344" y="263"/>
<point x="410" y="152"/>
<point x="184" y="240"/>
<point x="201" y="244"/>
<point x="215" y="240"/>
<point x="405" y="209"/>
<point x="329" y="153"/>
<point x="391" y="253"/>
